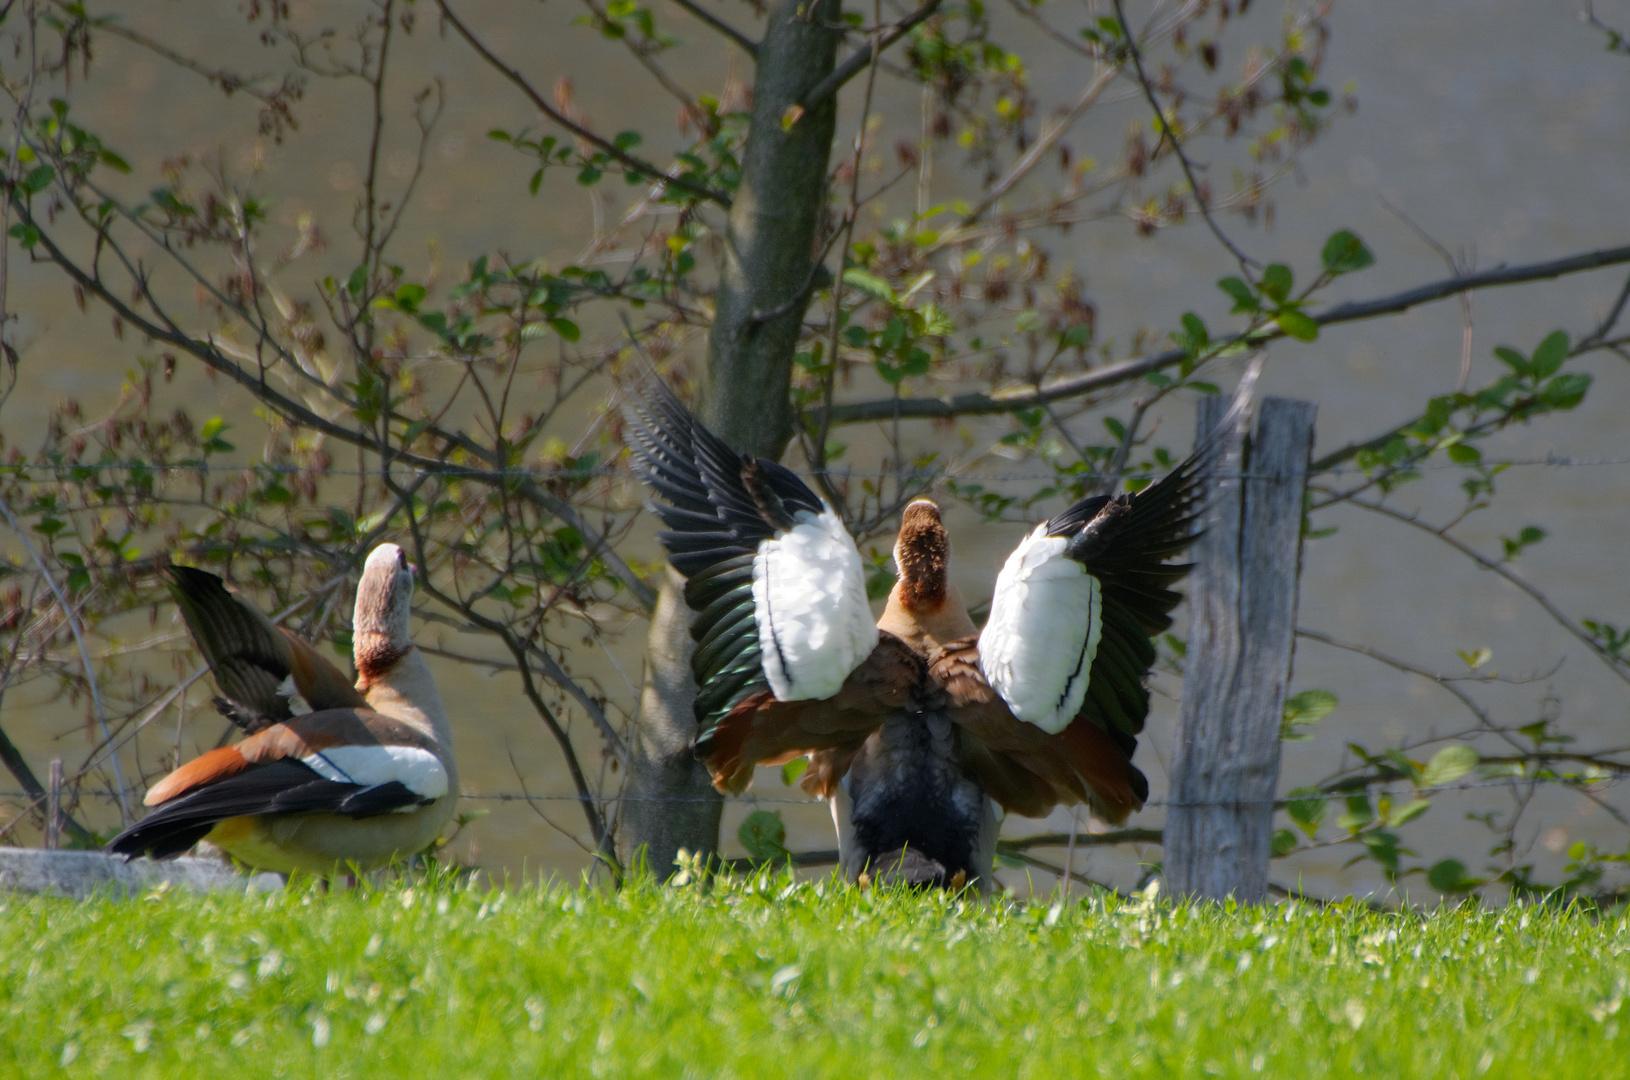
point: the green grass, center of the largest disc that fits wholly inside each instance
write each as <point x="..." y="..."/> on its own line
<point x="764" y="978"/>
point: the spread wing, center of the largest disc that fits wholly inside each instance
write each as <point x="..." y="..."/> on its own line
<point x="1024" y="767"/>
<point x="351" y="762"/>
<point x="777" y="588"/>
<point x="259" y="666"/>
<point x="1057" y="675"/>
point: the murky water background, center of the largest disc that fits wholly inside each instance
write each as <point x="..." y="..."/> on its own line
<point x="1499" y="127"/>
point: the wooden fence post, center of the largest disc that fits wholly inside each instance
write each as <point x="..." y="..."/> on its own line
<point x="1242" y="626"/>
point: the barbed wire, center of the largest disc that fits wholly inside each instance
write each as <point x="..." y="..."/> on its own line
<point x="1280" y="801"/>
<point x="454" y="472"/>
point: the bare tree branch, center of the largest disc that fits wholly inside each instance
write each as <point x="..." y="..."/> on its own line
<point x="858" y="60"/>
<point x="1127" y="370"/>
<point x="205" y="351"/>
<point x="746" y="43"/>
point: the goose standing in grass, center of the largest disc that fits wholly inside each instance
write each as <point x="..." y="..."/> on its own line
<point x="366" y="778"/>
<point x="916" y="724"/>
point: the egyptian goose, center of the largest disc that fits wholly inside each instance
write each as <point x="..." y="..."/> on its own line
<point x="915" y="724"/>
<point x="366" y="779"/>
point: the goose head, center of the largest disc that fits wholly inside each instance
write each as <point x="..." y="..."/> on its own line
<point x="925" y="608"/>
<point x="923" y="554"/>
<point x="381" y="632"/>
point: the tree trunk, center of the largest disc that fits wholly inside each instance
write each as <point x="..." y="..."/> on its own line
<point x="763" y="293"/>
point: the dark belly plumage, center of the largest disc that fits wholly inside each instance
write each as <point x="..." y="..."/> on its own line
<point x="916" y="815"/>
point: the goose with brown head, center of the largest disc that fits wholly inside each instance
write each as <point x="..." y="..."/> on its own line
<point x="358" y="784"/>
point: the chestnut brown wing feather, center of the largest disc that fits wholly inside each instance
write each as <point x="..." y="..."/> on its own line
<point x="1022" y="767"/>
<point x="294" y="738"/>
<point x="761" y="730"/>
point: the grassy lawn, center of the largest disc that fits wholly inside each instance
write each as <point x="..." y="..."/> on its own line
<point x="765" y="978"/>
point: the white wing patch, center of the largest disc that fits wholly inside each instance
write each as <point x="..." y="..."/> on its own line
<point x="1038" y="645"/>
<point x="416" y="769"/>
<point x="298" y="706"/>
<point x="809" y="602"/>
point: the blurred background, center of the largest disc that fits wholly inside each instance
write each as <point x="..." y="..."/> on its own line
<point x="1482" y="134"/>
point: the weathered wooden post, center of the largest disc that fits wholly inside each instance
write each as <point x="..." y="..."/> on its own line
<point x="1242" y="624"/>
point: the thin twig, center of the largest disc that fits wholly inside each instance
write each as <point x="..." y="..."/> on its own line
<point x="1456" y="266"/>
<point x="1170" y="136"/>
<point x="84" y="654"/>
<point x="638" y="51"/>
<point x="860" y="59"/>
<point x="1405" y="666"/>
<point x="745" y="43"/>
<point x="606" y="147"/>
<point x="1613" y="663"/>
<point x="1609" y="321"/>
<point x="1037" y="152"/>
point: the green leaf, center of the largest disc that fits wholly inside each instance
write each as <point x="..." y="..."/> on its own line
<point x="566" y="328"/>
<point x="1283" y="843"/>
<point x="1512" y="359"/>
<point x="1549" y="355"/>
<point x="1195" y="328"/>
<point x="1302" y="710"/>
<point x="792" y="770"/>
<point x="1449" y="876"/>
<point x="1297" y="325"/>
<point x="1383" y="848"/>
<point x="1449" y="765"/>
<point x="1565" y="391"/>
<point x="1465" y="454"/>
<point x="1359" y="813"/>
<point x="868" y="283"/>
<point x="1242" y="294"/>
<point x="1310" y="706"/>
<point x="1277" y="282"/>
<point x="764" y="835"/>
<point x="1409" y="811"/>
<point x="1306" y="808"/>
<point x="1344" y="253"/>
<point x="39" y="178"/>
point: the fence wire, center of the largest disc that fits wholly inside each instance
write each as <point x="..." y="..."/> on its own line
<point x="1280" y="801"/>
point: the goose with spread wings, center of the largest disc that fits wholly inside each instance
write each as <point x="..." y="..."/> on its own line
<point x="917" y="722"/>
